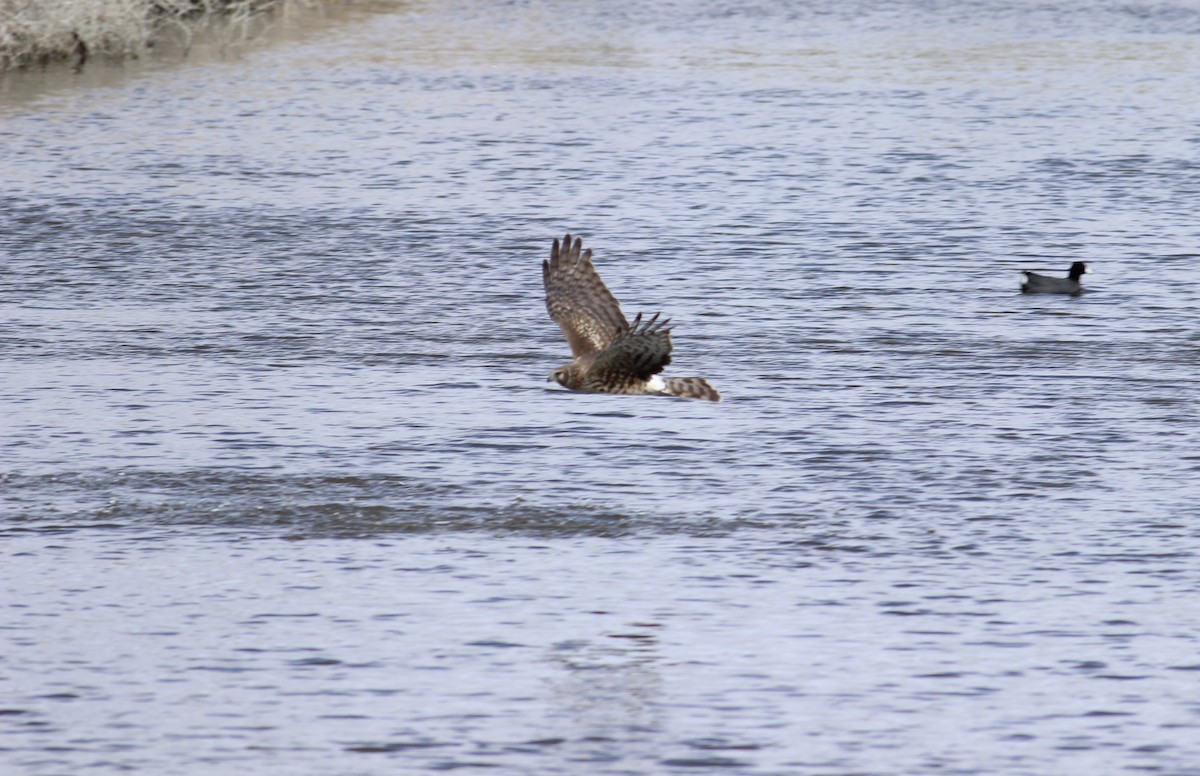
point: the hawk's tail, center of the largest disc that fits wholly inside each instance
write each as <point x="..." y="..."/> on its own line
<point x="690" y="388"/>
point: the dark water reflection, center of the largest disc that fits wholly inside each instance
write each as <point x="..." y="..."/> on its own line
<point x="285" y="489"/>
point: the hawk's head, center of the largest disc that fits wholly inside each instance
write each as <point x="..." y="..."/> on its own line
<point x="568" y="376"/>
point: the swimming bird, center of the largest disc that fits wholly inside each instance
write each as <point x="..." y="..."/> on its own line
<point x="1044" y="284"/>
<point x="612" y="355"/>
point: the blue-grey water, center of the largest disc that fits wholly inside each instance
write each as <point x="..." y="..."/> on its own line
<point x="285" y="490"/>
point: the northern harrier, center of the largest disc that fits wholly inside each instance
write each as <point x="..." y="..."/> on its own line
<point x="611" y="355"/>
<point x="1044" y="284"/>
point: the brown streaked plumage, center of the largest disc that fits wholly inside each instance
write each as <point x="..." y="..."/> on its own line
<point x="611" y="355"/>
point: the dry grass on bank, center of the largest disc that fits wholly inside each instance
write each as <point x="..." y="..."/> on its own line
<point x="39" y="32"/>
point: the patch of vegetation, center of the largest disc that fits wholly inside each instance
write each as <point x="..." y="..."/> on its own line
<point x="41" y="32"/>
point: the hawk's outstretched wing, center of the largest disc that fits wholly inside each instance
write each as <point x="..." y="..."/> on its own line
<point x="578" y="300"/>
<point x="638" y="353"/>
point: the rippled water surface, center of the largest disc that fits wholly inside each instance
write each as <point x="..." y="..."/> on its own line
<point x="285" y="490"/>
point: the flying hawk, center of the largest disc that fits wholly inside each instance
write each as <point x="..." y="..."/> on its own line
<point x="611" y="354"/>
